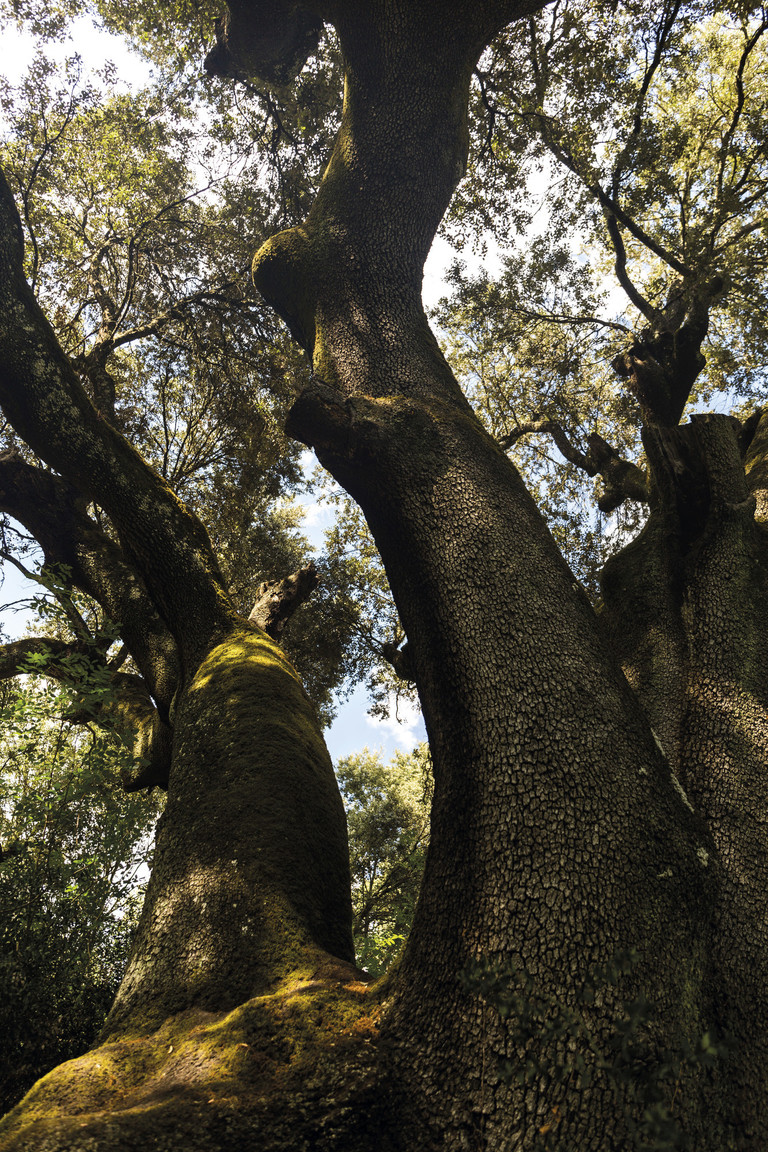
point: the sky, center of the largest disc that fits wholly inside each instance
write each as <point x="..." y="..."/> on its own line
<point x="353" y="728"/>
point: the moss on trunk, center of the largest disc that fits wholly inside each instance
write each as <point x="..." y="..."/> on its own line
<point x="251" y="868"/>
<point x="293" y="1070"/>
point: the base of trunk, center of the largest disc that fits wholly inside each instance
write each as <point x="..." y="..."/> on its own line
<point x="296" y="1069"/>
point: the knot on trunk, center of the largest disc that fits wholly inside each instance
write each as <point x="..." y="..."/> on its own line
<point x="321" y="417"/>
<point x="265" y="40"/>
<point x="281" y="273"/>
<point x="401" y="660"/>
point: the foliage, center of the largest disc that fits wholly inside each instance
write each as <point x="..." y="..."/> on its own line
<point x="388" y="822"/>
<point x="644" y="1079"/>
<point x="133" y="204"/>
<point x="618" y="171"/>
<point x="74" y="850"/>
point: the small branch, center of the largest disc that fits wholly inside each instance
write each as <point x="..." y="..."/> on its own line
<point x="400" y="659"/>
<point x="606" y="202"/>
<point x="62" y="597"/>
<point x="565" y="318"/>
<point x="666" y="25"/>
<point x="727" y="138"/>
<point x="176" y="312"/>
<point x="620" y="266"/>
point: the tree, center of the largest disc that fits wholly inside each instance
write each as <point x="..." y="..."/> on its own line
<point x="72" y="843"/>
<point x="561" y="835"/>
<point x="675" y="136"/>
<point x="388" y="824"/>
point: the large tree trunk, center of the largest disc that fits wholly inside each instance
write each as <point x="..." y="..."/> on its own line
<point x="686" y="607"/>
<point x="560" y="835"/>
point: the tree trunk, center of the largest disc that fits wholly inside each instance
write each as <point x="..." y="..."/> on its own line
<point x="686" y="607"/>
<point x="250" y="878"/>
<point x="241" y="971"/>
<point x="560" y="836"/>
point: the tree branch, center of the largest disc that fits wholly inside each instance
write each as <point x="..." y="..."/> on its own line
<point x="564" y="318"/>
<point x="126" y="709"/>
<point x="620" y="266"/>
<point x="47" y="406"/>
<point x="277" y="600"/>
<point x="41" y="654"/>
<point x="727" y="139"/>
<point x="622" y="480"/>
<point x="53" y="511"/>
<point x="666" y="24"/>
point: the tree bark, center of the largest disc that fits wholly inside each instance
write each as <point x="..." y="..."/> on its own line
<point x="559" y="833"/>
<point x="686" y="606"/>
<point x="251" y="887"/>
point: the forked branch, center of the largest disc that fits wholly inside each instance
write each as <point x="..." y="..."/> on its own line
<point x="622" y="480"/>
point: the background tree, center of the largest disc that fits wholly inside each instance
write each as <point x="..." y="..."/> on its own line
<point x="652" y="155"/>
<point x="388" y="821"/>
<point x="73" y="846"/>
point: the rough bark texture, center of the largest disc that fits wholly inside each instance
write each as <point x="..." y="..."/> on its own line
<point x="251" y="868"/>
<point x="687" y="609"/>
<point x="559" y="833"/>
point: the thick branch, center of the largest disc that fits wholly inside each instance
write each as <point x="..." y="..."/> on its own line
<point x="43" y="654"/>
<point x="53" y="511"/>
<point x="130" y="712"/>
<point x="620" y="267"/>
<point x="622" y="479"/>
<point x="47" y="406"/>
<point x="662" y="365"/>
<point x="277" y="600"/>
<point x="127" y="709"/>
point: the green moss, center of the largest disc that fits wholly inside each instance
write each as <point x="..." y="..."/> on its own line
<point x="276" y="1066"/>
<point x="251" y="875"/>
<point x="282" y="272"/>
